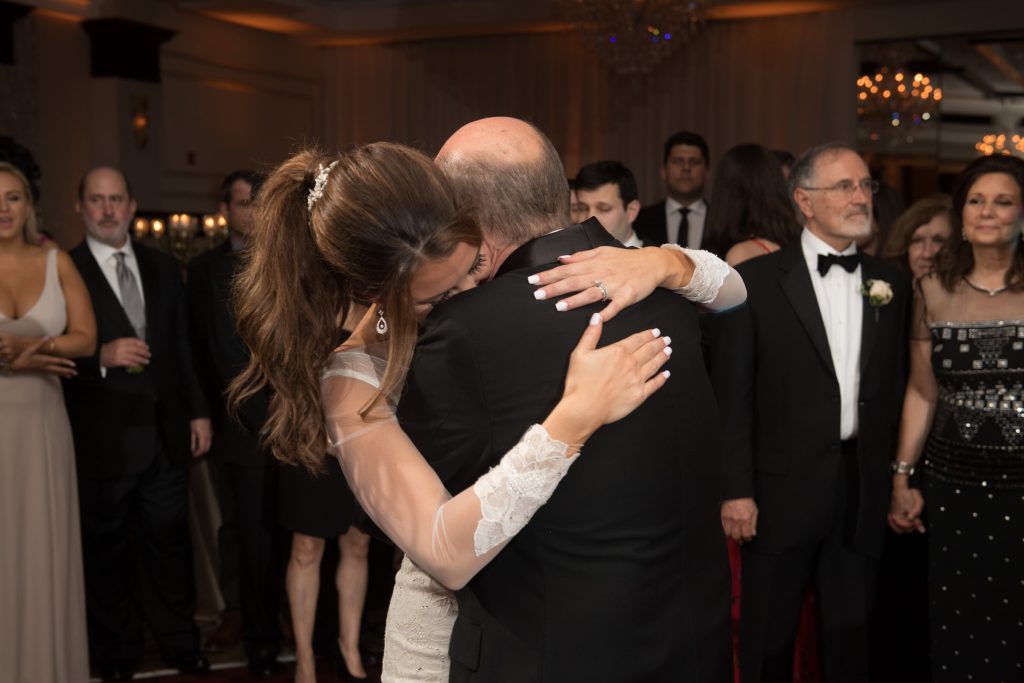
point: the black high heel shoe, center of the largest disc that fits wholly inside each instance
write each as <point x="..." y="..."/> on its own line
<point x="341" y="672"/>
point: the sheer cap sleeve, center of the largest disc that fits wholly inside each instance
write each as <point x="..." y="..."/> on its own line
<point x="450" y="538"/>
<point x="348" y="374"/>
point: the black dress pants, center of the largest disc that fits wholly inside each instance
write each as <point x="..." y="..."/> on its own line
<point x="250" y="480"/>
<point x="772" y="589"/>
<point x="137" y="552"/>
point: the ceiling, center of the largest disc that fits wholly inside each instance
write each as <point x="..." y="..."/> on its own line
<point x="348" y="22"/>
<point x="982" y="83"/>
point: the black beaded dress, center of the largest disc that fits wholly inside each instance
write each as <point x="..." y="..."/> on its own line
<point x="974" y="481"/>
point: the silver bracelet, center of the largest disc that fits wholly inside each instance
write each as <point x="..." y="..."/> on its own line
<point x="900" y="467"/>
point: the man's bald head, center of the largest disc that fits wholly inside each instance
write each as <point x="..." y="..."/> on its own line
<point x="509" y="175"/>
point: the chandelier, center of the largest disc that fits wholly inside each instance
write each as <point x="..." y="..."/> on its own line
<point x="634" y="36"/>
<point x="892" y="102"/>
<point x="1000" y="143"/>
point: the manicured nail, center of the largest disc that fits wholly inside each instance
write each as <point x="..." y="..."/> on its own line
<point x="533" y="279"/>
<point x="561" y="306"/>
<point x="666" y="374"/>
<point x="656" y="332"/>
<point x="563" y="257"/>
<point x="594" y="319"/>
<point x="667" y="340"/>
<point x="667" y="350"/>
<point x="540" y="295"/>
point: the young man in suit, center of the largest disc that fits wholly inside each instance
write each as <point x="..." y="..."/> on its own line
<point x="679" y="218"/>
<point x="622" y="575"/>
<point x="809" y="377"/>
<point x="136" y="412"/>
<point x="606" y="190"/>
<point x="244" y="474"/>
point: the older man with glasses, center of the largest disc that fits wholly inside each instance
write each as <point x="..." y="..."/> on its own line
<point x="809" y="377"/>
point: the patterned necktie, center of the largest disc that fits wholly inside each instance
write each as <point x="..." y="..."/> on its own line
<point x="131" y="299"/>
<point x="684" y="227"/>
<point x="848" y="263"/>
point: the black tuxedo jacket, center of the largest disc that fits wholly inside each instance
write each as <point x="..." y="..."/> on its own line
<point x="623" y="574"/>
<point x="220" y="353"/>
<point x="779" y="400"/>
<point x="650" y="224"/>
<point x="120" y="421"/>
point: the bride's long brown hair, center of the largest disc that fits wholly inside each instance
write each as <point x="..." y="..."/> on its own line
<point x="385" y="209"/>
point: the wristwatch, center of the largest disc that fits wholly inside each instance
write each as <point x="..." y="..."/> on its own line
<point x="900" y="467"/>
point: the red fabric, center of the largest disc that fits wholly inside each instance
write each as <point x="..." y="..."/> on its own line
<point x="806" y="668"/>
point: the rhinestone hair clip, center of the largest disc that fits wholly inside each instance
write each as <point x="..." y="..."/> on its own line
<point x="319" y="184"/>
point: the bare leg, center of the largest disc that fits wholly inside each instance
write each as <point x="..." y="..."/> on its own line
<point x="303" y="584"/>
<point x="351" y="580"/>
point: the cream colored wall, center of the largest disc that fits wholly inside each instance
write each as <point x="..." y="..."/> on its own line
<point x="231" y="97"/>
<point x="773" y="81"/>
<point x="235" y="97"/>
<point x="784" y="82"/>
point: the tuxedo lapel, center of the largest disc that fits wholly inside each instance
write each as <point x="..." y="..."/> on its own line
<point x="547" y="248"/>
<point x="150" y="290"/>
<point x="662" y="223"/>
<point x="869" y="325"/>
<point x="796" y="283"/>
<point x="104" y="299"/>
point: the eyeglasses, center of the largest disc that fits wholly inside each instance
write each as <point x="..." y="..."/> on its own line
<point x="846" y="188"/>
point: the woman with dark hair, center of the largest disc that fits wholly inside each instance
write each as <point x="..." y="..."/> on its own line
<point x="750" y="212"/>
<point x="964" y="414"/>
<point x="45" y="320"/>
<point x="380" y="225"/>
<point x="919" y="234"/>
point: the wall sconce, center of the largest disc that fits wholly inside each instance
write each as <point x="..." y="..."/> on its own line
<point x="141" y="228"/>
<point x="157" y="226"/>
<point x="140" y="120"/>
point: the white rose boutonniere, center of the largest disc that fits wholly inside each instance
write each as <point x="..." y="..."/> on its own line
<point x="878" y="293"/>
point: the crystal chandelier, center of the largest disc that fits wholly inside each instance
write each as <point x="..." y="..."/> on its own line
<point x="892" y="102"/>
<point x="634" y="36"/>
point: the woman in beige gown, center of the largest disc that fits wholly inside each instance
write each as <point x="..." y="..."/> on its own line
<point x="45" y="318"/>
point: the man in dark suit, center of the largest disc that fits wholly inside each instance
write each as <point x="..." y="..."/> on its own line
<point x="136" y="412"/>
<point x="622" y="575"/>
<point x="606" y="190"/>
<point x="809" y="377"/>
<point x="244" y="472"/>
<point x="679" y="218"/>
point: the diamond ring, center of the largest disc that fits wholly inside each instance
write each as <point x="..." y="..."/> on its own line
<point x="604" y="290"/>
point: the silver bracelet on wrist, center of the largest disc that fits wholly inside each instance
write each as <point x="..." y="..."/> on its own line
<point x="900" y="467"/>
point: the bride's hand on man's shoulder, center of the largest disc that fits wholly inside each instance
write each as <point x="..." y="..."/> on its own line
<point x="622" y="276"/>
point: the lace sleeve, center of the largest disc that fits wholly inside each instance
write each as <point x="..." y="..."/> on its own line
<point x="714" y="284"/>
<point x="451" y="538"/>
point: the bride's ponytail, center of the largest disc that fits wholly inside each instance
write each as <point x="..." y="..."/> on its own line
<point x="380" y="211"/>
<point x="289" y="305"/>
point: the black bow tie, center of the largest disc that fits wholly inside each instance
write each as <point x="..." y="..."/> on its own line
<point x="849" y="262"/>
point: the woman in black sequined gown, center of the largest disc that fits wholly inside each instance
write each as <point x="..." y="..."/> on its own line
<point x="963" y="420"/>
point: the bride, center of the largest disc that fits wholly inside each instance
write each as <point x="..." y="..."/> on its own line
<point x="380" y="225"/>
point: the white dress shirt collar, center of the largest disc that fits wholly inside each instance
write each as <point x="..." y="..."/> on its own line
<point x="633" y="240"/>
<point x="102" y="251"/>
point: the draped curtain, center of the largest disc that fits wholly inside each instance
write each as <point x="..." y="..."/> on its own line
<point x="783" y="82"/>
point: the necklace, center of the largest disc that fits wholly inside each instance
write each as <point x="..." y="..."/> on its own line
<point x="990" y="292"/>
